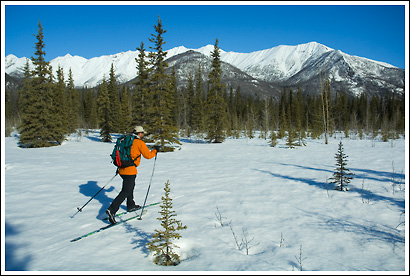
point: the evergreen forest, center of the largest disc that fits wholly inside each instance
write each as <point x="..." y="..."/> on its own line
<point x="45" y="109"/>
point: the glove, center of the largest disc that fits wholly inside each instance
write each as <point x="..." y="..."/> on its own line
<point x="157" y="147"/>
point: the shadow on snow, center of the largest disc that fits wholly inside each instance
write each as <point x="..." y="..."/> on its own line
<point x="363" y="192"/>
<point x="90" y="189"/>
<point x="370" y="232"/>
<point x="14" y="261"/>
<point x="141" y="238"/>
<point x="378" y="175"/>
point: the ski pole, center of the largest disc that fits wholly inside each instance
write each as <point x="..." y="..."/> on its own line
<point x="149" y="186"/>
<point x="80" y="209"/>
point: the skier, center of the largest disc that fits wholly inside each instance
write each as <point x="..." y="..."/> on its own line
<point x="129" y="174"/>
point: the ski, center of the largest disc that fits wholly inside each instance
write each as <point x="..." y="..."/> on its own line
<point x="126" y="212"/>
<point x="107" y="227"/>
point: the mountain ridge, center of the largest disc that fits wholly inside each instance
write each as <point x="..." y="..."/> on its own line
<point x="280" y="66"/>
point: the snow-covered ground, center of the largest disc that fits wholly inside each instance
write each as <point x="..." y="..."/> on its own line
<point x="276" y="198"/>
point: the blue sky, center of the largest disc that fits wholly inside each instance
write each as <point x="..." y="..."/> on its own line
<point x="373" y="31"/>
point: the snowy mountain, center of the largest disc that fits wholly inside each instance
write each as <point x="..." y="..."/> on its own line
<point x="186" y="64"/>
<point x="348" y="73"/>
<point x="278" y="63"/>
<point x="278" y="67"/>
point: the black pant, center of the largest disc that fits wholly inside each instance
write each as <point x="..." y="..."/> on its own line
<point x="127" y="192"/>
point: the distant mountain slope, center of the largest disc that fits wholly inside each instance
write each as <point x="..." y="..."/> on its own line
<point x="263" y="73"/>
<point x="187" y="63"/>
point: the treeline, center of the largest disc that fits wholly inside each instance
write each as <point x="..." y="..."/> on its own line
<point x="45" y="110"/>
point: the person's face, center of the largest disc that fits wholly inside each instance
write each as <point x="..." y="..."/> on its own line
<point x="141" y="134"/>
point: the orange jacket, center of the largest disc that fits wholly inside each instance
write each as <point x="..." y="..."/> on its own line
<point x="138" y="148"/>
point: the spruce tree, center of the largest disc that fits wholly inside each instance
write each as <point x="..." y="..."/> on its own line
<point x="198" y="118"/>
<point x="273" y="138"/>
<point x="290" y="110"/>
<point x="60" y="89"/>
<point x="238" y="111"/>
<point x="8" y="113"/>
<point x="183" y="111"/>
<point x="251" y="118"/>
<point x="142" y="99"/>
<point x="115" y="104"/>
<point x="231" y="113"/>
<point x="299" y="111"/>
<point x="291" y="140"/>
<point x="342" y="175"/>
<point x="374" y="115"/>
<point x="25" y="92"/>
<point x="55" y="105"/>
<point x="215" y="108"/>
<point x="39" y="126"/>
<point x="341" y="109"/>
<point x="59" y="102"/>
<point x="174" y="93"/>
<point x="73" y="103"/>
<point x="90" y="109"/>
<point x="162" y="243"/>
<point x="125" y="121"/>
<point x="190" y="105"/>
<point x="283" y="123"/>
<point x="104" y="112"/>
<point x="299" y="115"/>
<point x="266" y="117"/>
<point x="316" y="121"/>
<point x="162" y="124"/>
<point x="325" y="96"/>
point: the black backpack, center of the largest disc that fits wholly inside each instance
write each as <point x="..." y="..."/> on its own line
<point x="121" y="154"/>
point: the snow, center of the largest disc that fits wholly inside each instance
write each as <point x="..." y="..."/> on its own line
<point x="277" y="63"/>
<point x="15" y="64"/>
<point x="269" y="193"/>
<point x="287" y="59"/>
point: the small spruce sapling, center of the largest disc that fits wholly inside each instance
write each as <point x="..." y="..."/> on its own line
<point x="162" y="242"/>
<point x="273" y="138"/>
<point x="291" y="141"/>
<point x="342" y="175"/>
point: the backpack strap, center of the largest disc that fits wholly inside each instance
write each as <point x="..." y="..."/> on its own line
<point x="133" y="160"/>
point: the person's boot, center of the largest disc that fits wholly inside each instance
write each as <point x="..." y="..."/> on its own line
<point x="111" y="216"/>
<point x="134" y="208"/>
